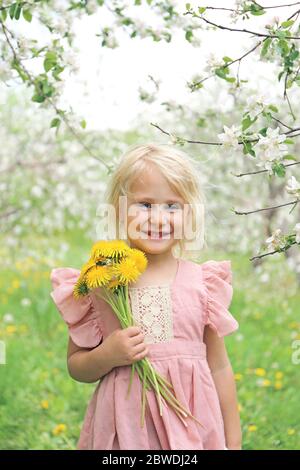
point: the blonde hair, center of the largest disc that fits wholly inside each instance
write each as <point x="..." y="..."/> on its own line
<point x="182" y="174"/>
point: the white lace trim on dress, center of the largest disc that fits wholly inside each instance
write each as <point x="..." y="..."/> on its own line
<point x="152" y="310"/>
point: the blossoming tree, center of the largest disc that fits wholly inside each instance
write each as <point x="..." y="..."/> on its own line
<point x="263" y="135"/>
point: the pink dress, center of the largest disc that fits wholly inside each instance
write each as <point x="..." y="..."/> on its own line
<point x="172" y="317"/>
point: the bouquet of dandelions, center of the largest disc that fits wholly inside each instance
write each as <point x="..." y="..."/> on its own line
<point x="112" y="266"/>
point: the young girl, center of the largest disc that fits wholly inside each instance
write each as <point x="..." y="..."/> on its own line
<point x="180" y="307"/>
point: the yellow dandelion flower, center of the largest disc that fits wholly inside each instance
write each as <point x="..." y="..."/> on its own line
<point x="238" y="376"/>
<point x="126" y="270"/>
<point x="16" y="284"/>
<point x="109" y="249"/>
<point x="291" y="431"/>
<point x="266" y="383"/>
<point x="139" y="258"/>
<point x="113" y="284"/>
<point x="278" y="385"/>
<point x="278" y="375"/>
<point x="260" y="372"/>
<point x="80" y="287"/>
<point x="59" y="428"/>
<point x="98" y="276"/>
<point x="252" y="428"/>
<point x="44" y="404"/>
<point x="87" y="266"/>
<point x="10" y="329"/>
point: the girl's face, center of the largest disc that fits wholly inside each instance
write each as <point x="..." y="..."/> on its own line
<point x="155" y="213"/>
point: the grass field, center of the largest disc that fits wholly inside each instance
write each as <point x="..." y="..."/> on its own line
<point x="41" y="407"/>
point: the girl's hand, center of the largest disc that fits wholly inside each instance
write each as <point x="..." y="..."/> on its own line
<point x="125" y="346"/>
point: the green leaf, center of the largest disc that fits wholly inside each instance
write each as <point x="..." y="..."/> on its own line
<point x="278" y="169"/>
<point x="12" y="10"/>
<point x="266" y="46"/>
<point x="188" y="6"/>
<point x="49" y="61"/>
<point x="227" y="59"/>
<point x="189" y="35"/>
<point x="263" y="131"/>
<point x="247" y="148"/>
<point x="83" y="124"/>
<point x="289" y="141"/>
<point x="27" y="15"/>
<point x="287" y="24"/>
<point x="294" y="55"/>
<point x="38" y="98"/>
<point x="246" y="123"/>
<point x="230" y="79"/>
<point x="280" y="34"/>
<point x="55" y="122"/>
<point x="47" y="89"/>
<point x="290" y="157"/>
<point x="201" y="10"/>
<point x="4" y="14"/>
<point x="18" y="11"/>
<point x="258" y="12"/>
<point x="273" y="108"/>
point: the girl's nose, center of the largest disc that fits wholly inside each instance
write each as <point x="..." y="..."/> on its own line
<point x="158" y="215"/>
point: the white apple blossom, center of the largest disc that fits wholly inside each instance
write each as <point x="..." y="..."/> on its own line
<point x="270" y="148"/>
<point x="297" y="229"/>
<point x="274" y="22"/>
<point x="256" y="104"/>
<point x="293" y="186"/>
<point x="275" y="241"/>
<point x="213" y="62"/>
<point x="229" y="137"/>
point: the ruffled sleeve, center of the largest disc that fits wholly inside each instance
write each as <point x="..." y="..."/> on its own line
<point x="217" y="277"/>
<point x="79" y="314"/>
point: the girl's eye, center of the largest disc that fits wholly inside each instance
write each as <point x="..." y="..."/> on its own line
<point x="169" y="206"/>
<point x="175" y="206"/>
<point x="145" y="203"/>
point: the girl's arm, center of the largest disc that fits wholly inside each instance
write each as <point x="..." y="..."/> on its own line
<point x="88" y="365"/>
<point x="121" y="348"/>
<point x="223" y="377"/>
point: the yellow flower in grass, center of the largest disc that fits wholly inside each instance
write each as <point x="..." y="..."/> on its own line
<point x="126" y="271"/>
<point x="44" y="404"/>
<point x="10" y="329"/>
<point x="109" y="249"/>
<point x="278" y="375"/>
<point x="98" y="276"/>
<point x="139" y="258"/>
<point x="291" y="431"/>
<point x="59" y="428"/>
<point x="266" y="383"/>
<point x="238" y="376"/>
<point x="260" y="372"/>
<point x="252" y="428"/>
<point x="278" y="385"/>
